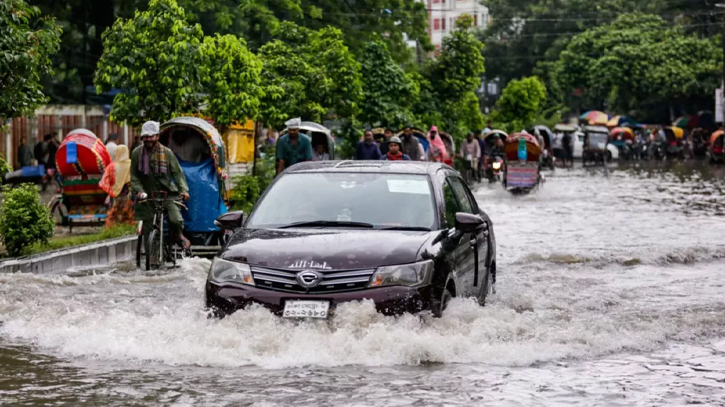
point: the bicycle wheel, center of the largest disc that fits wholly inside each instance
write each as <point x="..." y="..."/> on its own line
<point x="153" y="250"/>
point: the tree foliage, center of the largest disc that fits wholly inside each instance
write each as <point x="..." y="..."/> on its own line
<point x="389" y="92"/>
<point x="27" y="40"/>
<point x="520" y="103"/>
<point x="156" y="58"/>
<point x="637" y="60"/>
<point x="309" y="74"/>
<point x="451" y="79"/>
<point x="234" y="88"/>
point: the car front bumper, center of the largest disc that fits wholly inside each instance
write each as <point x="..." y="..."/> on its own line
<point x="394" y="300"/>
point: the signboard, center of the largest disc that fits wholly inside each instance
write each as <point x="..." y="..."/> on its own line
<point x="521" y="177"/>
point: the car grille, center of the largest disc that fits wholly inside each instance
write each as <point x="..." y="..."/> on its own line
<point x="332" y="281"/>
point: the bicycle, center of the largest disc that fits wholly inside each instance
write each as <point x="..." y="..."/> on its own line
<point x="157" y="248"/>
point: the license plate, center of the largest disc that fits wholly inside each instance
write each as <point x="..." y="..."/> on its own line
<point x="306" y="309"/>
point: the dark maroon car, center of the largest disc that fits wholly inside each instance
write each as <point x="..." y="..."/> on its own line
<point x="406" y="235"/>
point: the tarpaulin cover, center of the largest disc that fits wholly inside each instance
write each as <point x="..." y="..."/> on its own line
<point x="205" y="204"/>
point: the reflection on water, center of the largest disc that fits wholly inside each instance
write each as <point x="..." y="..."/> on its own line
<point x="610" y="293"/>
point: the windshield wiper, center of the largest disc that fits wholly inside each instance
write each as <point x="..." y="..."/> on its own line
<point x="328" y="223"/>
<point x="415" y="228"/>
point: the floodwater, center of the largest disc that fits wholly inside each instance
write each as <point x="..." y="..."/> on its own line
<point x="610" y="293"/>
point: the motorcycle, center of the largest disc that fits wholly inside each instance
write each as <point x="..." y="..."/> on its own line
<point x="496" y="168"/>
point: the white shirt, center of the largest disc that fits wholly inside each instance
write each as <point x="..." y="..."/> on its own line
<point x="557" y="141"/>
<point x="111" y="147"/>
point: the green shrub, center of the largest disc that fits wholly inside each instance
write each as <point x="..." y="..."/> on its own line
<point x="4" y="167"/>
<point x="245" y="193"/>
<point x="24" y="220"/>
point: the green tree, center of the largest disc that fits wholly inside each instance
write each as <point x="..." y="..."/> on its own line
<point x="27" y="40"/>
<point x="156" y="58"/>
<point x="361" y="21"/>
<point x="636" y="61"/>
<point x="520" y="104"/>
<point x="455" y="75"/>
<point x="234" y="88"/>
<point x="389" y="92"/>
<point x="24" y="219"/>
<point x="311" y="74"/>
<point x="524" y="32"/>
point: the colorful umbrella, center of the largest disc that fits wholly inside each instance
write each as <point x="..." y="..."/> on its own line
<point x="625" y="132"/>
<point x="595" y="117"/>
<point x="617" y="121"/>
<point x="682" y="121"/>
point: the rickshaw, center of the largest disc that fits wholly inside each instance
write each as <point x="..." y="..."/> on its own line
<point x="81" y="160"/>
<point x="675" y="142"/>
<point x="522" y="174"/>
<point x="495" y="163"/>
<point x="547" y="157"/>
<point x="319" y="135"/>
<point x="595" y="144"/>
<point x="199" y="148"/>
<point x="624" y="139"/>
<point x="715" y="151"/>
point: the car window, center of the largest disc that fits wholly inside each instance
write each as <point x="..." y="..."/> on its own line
<point x="459" y="190"/>
<point x="452" y="205"/>
<point x="383" y="200"/>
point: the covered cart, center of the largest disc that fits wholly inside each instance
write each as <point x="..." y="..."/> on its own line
<point x="202" y="155"/>
<point x="318" y="134"/>
<point x="522" y="174"/>
<point x="81" y="160"/>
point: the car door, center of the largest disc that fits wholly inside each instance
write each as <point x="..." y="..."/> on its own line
<point x="463" y="253"/>
<point x="482" y="238"/>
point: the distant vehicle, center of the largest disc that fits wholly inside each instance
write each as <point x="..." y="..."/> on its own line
<point x="407" y="235"/>
<point x="595" y="149"/>
<point x="577" y="138"/>
<point x="522" y="175"/>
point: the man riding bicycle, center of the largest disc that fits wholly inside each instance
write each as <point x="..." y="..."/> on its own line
<point x="154" y="168"/>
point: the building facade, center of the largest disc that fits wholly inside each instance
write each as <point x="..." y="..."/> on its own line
<point x="442" y="16"/>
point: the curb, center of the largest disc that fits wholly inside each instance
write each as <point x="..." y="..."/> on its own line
<point x="101" y="253"/>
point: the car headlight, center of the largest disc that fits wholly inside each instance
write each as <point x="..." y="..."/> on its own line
<point x="225" y="271"/>
<point x="497" y="165"/>
<point x="411" y="275"/>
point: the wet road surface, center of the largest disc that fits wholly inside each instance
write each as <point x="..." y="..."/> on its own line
<point x="610" y="293"/>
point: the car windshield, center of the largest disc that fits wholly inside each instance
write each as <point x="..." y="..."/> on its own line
<point x="381" y="200"/>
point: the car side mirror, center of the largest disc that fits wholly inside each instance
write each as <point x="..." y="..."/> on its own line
<point x="230" y="220"/>
<point x="468" y="223"/>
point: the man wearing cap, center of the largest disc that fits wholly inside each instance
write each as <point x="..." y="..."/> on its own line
<point x="154" y="168"/>
<point x="410" y="145"/>
<point x="293" y="147"/>
<point x="394" y="153"/>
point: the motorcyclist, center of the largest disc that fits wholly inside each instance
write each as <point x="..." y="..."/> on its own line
<point x="154" y="168"/>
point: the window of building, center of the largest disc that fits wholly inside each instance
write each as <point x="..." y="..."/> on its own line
<point x="443" y="24"/>
<point x="475" y="20"/>
<point x="436" y="24"/>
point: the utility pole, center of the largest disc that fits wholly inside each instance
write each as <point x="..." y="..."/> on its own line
<point x="722" y="92"/>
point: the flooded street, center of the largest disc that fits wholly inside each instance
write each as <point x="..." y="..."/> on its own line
<point x="610" y="293"/>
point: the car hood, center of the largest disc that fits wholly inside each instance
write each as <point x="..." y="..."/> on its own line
<point x="325" y="249"/>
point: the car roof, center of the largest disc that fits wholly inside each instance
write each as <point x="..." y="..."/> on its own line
<point x="382" y="166"/>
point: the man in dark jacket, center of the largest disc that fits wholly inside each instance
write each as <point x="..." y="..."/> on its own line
<point x="367" y="149"/>
<point x="154" y="168"/>
<point x="394" y="153"/>
<point x="411" y="146"/>
<point x="39" y="151"/>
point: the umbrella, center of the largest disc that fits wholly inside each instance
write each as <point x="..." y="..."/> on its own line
<point x="595" y="117"/>
<point x="625" y="132"/>
<point x="682" y="121"/>
<point x="617" y="121"/>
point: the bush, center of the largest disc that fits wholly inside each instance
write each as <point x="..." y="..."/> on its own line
<point x="245" y="193"/>
<point x="24" y="220"/>
<point x="4" y="168"/>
